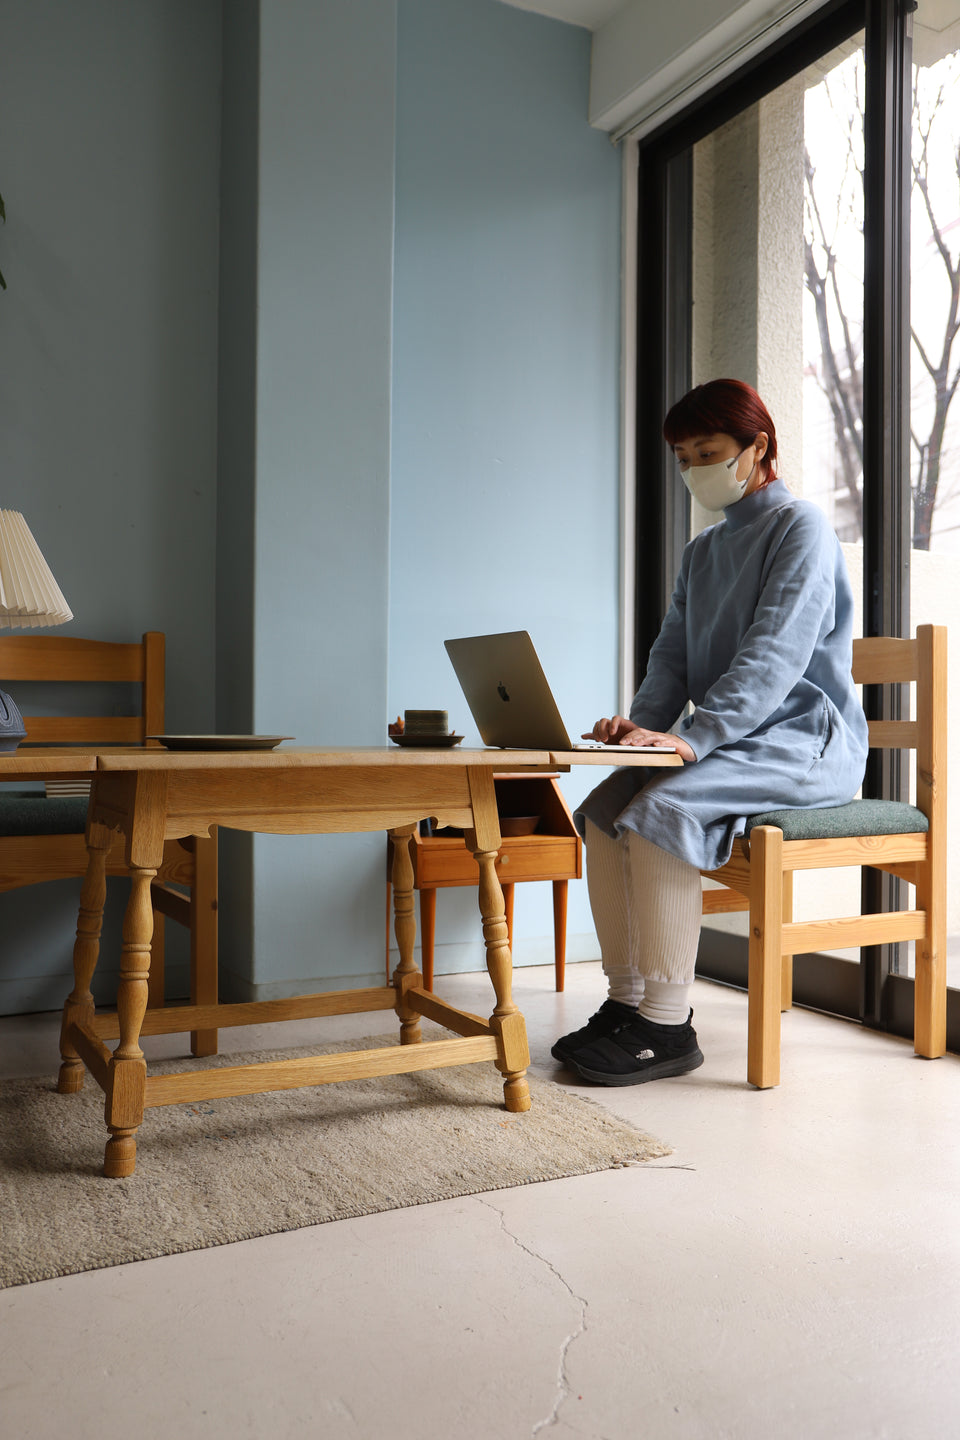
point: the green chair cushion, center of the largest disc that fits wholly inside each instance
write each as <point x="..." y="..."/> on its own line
<point x="860" y="817"/>
<point x="26" y="814"/>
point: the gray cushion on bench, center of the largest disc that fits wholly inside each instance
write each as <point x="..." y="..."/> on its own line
<point x="25" y="814"/>
<point x="860" y="817"/>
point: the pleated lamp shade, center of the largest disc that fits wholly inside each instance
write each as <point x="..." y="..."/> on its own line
<point x="29" y="595"/>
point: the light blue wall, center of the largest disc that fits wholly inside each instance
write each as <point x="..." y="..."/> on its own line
<point x="315" y="493"/>
<point x="494" y="500"/>
<point x="323" y="457"/>
<point x="376" y="436"/>
<point x="323" y="405"/>
<point x="236" y="448"/>
<point x="110" y="118"/>
<point x="506" y="352"/>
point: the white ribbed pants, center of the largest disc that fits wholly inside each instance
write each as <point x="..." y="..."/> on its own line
<point x="647" y="909"/>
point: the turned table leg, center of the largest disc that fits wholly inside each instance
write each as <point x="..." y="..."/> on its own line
<point x="127" y="1075"/>
<point x="79" y="1006"/>
<point x="141" y="800"/>
<point x="406" y="976"/>
<point x="484" y="842"/>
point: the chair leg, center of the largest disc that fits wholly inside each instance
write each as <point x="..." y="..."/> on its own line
<point x="508" y="897"/>
<point x="428" y="934"/>
<point x="766" y="926"/>
<point x="388" y="918"/>
<point x="156" y="981"/>
<point x="786" y="961"/>
<point x="204" y="987"/>
<point x="930" y="966"/>
<point x="559" y="932"/>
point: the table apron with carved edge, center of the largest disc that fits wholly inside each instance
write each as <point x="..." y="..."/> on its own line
<point x="149" y="805"/>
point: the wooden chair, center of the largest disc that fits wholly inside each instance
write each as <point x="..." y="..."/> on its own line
<point x="903" y="840"/>
<point x="42" y="836"/>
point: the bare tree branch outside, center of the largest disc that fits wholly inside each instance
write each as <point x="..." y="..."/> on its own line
<point x="833" y="278"/>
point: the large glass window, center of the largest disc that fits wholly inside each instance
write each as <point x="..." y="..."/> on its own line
<point x="777" y="238"/>
<point x="833" y="328"/>
<point x="781" y="242"/>
<point x="833" y="160"/>
<point x="935" y="370"/>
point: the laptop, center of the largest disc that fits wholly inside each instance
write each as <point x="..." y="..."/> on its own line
<point x="509" y="698"/>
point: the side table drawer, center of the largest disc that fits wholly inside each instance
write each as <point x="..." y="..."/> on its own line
<point x="440" y="861"/>
<point x="538" y="857"/>
<point x="443" y="861"/>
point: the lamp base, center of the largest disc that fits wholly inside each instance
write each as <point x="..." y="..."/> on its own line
<point x="11" y="724"/>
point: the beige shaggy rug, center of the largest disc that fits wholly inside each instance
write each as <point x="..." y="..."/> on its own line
<point x="215" y="1171"/>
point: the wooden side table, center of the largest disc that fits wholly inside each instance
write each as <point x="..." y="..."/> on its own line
<point x="554" y="851"/>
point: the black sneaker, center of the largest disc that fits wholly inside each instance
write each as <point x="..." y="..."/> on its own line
<point x="610" y="1017"/>
<point x="640" y="1051"/>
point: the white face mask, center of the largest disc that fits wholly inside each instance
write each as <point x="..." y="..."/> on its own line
<point x="716" y="486"/>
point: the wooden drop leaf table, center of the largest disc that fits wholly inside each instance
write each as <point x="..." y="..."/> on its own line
<point x="153" y="795"/>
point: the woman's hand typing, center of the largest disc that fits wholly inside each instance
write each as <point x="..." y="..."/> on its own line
<point x="618" y="730"/>
<point x="611" y="732"/>
<point x="639" y="736"/>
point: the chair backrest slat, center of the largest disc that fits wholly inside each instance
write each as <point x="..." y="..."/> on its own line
<point x="893" y="734"/>
<point x="57" y="659"/>
<point x="885" y="661"/>
<point x="84" y="729"/>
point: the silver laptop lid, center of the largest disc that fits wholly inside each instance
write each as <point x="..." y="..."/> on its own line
<point x="507" y="691"/>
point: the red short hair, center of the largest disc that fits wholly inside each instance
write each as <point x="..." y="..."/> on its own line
<point x="724" y="407"/>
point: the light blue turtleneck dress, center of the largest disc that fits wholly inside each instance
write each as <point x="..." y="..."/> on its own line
<point x="758" y="636"/>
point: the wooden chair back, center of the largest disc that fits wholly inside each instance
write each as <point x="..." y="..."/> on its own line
<point x="189" y="865"/>
<point x="759" y="875"/>
<point x="922" y="663"/>
<point x="63" y="658"/>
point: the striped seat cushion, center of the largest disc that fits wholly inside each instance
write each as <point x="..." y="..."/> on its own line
<point x="860" y="817"/>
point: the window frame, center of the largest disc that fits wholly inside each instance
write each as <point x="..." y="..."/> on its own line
<point x="664" y="373"/>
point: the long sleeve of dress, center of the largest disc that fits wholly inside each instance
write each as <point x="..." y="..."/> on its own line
<point x="795" y="611"/>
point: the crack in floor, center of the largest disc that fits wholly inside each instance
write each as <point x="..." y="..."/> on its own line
<point x="564" y="1387"/>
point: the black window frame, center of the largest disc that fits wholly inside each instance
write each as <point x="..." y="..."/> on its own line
<point x="664" y="366"/>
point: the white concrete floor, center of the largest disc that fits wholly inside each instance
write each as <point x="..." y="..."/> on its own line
<point x="792" y="1270"/>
